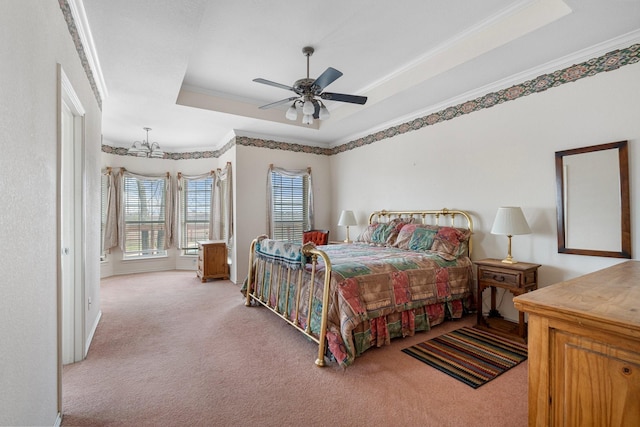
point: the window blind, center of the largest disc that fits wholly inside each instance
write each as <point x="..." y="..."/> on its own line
<point x="144" y="201"/>
<point x="195" y="209"/>
<point x="289" y="206"/>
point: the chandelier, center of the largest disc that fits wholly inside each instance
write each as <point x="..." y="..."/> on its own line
<point x="146" y="149"/>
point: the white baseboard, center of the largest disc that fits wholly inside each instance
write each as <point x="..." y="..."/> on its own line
<point x="93" y="331"/>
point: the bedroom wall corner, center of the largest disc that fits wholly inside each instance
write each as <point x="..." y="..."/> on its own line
<point x="251" y="179"/>
<point x="499" y="156"/>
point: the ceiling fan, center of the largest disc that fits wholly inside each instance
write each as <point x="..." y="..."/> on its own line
<point x="309" y="93"/>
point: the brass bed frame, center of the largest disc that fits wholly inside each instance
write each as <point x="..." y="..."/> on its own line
<point x="262" y="294"/>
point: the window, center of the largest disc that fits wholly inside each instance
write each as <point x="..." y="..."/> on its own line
<point x="195" y="212"/>
<point x="290" y="204"/>
<point x="144" y="202"/>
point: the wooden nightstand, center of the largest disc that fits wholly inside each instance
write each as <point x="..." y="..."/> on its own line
<point x="518" y="279"/>
<point x="212" y="260"/>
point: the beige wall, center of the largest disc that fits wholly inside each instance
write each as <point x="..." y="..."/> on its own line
<point x="35" y="39"/>
<point x="501" y="156"/>
<point x="251" y="202"/>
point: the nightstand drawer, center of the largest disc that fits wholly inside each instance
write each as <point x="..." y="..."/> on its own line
<point x="499" y="278"/>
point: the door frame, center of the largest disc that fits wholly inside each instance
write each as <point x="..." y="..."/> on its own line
<point x="67" y="96"/>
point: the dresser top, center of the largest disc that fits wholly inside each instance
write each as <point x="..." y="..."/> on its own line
<point x="609" y="296"/>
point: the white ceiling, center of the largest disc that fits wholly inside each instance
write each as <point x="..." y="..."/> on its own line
<point x="185" y="67"/>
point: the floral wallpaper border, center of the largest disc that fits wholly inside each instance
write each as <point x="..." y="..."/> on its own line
<point x="607" y="62"/>
<point x="73" y="30"/>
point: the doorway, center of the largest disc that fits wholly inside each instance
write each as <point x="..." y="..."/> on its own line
<point x="71" y="255"/>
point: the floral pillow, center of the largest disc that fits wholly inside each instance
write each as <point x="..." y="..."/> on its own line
<point x="366" y="236"/>
<point x="451" y="242"/>
<point x="422" y="239"/>
<point x="385" y="234"/>
<point x="382" y="233"/>
<point x="406" y="234"/>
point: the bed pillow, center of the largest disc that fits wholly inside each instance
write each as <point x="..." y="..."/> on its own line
<point x="382" y="233"/>
<point x="385" y="234"/>
<point x="451" y="242"/>
<point x="422" y="238"/>
<point x="406" y="233"/>
<point x="366" y="236"/>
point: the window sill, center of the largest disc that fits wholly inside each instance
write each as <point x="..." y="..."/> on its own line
<point x="148" y="258"/>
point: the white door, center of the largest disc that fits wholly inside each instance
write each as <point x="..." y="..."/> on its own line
<point x="67" y="267"/>
<point x="71" y="274"/>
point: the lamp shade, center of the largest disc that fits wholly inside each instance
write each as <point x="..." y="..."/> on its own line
<point x="308" y="107"/>
<point x="292" y="112"/>
<point x="307" y="119"/>
<point x="347" y="218"/>
<point x="510" y="221"/>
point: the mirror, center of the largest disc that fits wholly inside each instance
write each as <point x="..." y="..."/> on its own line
<point x="592" y="198"/>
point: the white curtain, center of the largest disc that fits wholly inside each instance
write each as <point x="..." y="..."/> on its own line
<point x="222" y="206"/>
<point x="220" y="219"/>
<point x="110" y="239"/>
<point x="288" y="173"/>
<point x="170" y="212"/>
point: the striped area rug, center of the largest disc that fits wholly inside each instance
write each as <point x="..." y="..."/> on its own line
<point x="470" y="355"/>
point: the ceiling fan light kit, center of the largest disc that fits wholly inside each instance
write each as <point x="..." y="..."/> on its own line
<point x="309" y="94"/>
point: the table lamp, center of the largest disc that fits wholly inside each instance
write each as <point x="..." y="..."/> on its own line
<point x="510" y="221"/>
<point x="347" y="218"/>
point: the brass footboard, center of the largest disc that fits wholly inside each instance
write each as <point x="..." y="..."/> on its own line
<point x="261" y="290"/>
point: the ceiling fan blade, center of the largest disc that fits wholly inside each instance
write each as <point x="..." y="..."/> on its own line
<point x="329" y="76"/>
<point x="274" y="104"/>
<point x="270" y="83"/>
<point x="354" y="99"/>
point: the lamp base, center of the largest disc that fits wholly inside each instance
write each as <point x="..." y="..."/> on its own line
<point x="509" y="259"/>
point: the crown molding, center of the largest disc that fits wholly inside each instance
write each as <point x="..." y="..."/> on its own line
<point x="482" y="98"/>
<point x="84" y="32"/>
<point x="592" y="53"/>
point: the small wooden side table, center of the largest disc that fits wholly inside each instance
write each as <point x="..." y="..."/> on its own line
<point x="212" y="260"/>
<point x="518" y="278"/>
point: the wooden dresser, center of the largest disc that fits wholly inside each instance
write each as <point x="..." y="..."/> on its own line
<point x="212" y="260"/>
<point x="584" y="349"/>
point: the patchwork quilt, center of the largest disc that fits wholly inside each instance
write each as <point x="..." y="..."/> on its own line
<point x="377" y="293"/>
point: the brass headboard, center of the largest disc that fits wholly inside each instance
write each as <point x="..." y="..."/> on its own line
<point x="427" y="217"/>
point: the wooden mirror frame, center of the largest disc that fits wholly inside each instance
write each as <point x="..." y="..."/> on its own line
<point x="625" y="232"/>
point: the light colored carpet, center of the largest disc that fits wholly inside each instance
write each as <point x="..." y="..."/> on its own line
<point x="173" y="351"/>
